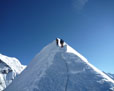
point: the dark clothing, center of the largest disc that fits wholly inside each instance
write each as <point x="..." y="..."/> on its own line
<point x="61" y="42"/>
<point x="57" y="41"/>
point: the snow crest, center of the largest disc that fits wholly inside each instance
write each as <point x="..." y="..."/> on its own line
<point x="61" y="69"/>
<point x="9" y="68"/>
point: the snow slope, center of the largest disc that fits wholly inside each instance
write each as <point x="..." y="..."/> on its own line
<point x="111" y="75"/>
<point x="9" y="68"/>
<point x="61" y="69"/>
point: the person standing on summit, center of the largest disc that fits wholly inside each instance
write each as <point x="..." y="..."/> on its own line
<point x="61" y="42"/>
<point x="57" y="41"/>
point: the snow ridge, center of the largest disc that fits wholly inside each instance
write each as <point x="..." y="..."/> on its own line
<point x="9" y="68"/>
<point x="61" y="69"/>
<point x="71" y="50"/>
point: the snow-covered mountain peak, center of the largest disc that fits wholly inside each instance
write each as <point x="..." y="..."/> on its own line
<point x="52" y="46"/>
<point x="10" y="67"/>
<point x="68" y="49"/>
<point x="61" y="68"/>
<point x="13" y="63"/>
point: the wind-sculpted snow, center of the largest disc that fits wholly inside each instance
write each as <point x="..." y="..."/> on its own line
<point x="61" y="69"/>
<point x="9" y="68"/>
<point x="110" y="75"/>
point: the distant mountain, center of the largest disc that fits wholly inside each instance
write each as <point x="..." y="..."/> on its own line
<point x="9" y="68"/>
<point x="61" y="69"/>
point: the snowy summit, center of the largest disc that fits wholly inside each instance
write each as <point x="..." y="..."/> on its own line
<point x="9" y="68"/>
<point x="58" y="67"/>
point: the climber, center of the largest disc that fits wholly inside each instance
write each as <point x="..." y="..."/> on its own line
<point x="57" y="41"/>
<point x="61" y="42"/>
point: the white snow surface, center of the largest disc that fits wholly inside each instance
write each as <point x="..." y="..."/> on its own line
<point x="9" y="68"/>
<point x="61" y="69"/>
<point x="110" y="75"/>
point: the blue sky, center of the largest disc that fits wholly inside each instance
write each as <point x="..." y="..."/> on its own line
<point x="26" y="26"/>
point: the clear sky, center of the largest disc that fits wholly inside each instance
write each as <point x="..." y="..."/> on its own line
<point x="26" y="26"/>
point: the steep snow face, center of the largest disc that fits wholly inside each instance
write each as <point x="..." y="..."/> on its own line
<point x="61" y="69"/>
<point x="9" y="68"/>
